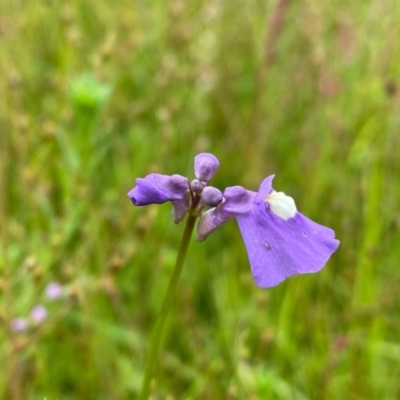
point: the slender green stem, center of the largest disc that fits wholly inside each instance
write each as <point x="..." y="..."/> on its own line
<point x="155" y="343"/>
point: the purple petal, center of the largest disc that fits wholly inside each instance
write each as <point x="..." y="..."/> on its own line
<point x="205" y="165"/>
<point x="278" y="249"/>
<point x="210" y="221"/>
<point x="157" y="189"/>
<point x="179" y="209"/>
<point x="236" y="200"/>
<point x="265" y="189"/>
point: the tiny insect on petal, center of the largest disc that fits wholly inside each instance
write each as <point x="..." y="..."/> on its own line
<point x="267" y="246"/>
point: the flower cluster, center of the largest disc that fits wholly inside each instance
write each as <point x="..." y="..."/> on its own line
<point x="280" y="241"/>
<point x="39" y="313"/>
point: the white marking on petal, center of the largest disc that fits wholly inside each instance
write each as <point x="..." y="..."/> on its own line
<point x="281" y="205"/>
<point x="267" y="246"/>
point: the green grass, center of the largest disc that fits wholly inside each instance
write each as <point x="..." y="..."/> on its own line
<point x="95" y="94"/>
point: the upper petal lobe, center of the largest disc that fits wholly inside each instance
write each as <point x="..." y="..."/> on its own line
<point x="157" y="189"/>
<point x="265" y="189"/>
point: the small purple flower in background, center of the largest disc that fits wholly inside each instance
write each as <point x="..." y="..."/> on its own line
<point x="280" y="241"/>
<point x="38" y="314"/>
<point x="19" y="324"/>
<point x="53" y="290"/>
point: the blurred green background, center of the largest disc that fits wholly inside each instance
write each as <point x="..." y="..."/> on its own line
<point x="97" y="93"/>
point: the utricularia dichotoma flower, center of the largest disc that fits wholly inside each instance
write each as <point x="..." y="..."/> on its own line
<point x="280" y="241"/>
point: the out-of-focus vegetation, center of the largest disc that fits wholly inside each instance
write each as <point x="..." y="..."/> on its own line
<point x="97" y="93"/>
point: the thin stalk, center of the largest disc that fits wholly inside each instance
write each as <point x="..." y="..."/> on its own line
<point x="14" y="380"/>
<point x="155" y="343"/>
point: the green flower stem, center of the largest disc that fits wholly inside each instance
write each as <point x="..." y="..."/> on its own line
<point x="155" y="343"/>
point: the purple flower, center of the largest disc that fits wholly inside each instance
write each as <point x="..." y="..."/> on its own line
<point x="53" y="290"/>
<point x="38" y="314"/>
<point x="280" y="241"/>
<point x="157" y="189"/>
<point x="19" y="324"/>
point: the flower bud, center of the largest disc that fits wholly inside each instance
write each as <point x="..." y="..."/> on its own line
<point x="205" y="165"/>
<point x="196" y="186"/>
<point x="211" y="196"/>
